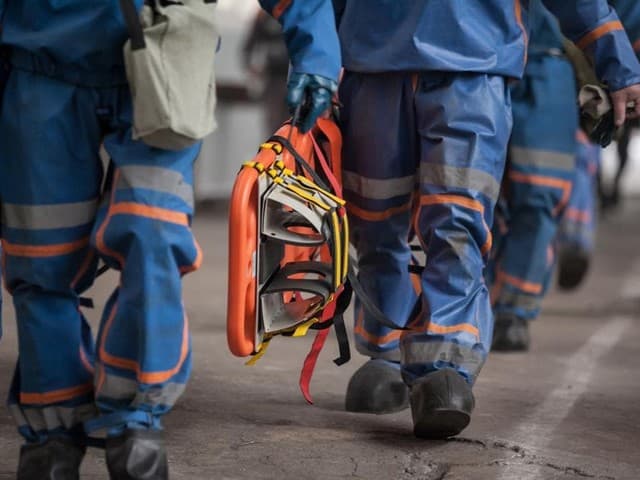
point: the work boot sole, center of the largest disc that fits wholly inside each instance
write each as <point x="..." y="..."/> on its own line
<point x="441" y="423"/>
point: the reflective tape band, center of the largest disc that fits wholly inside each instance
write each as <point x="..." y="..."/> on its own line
<point x="377" y="189"/>
<point x="458" y="177"/>
<point x="157" y="179"/>
<point x="52" y="418"/>
<point x="429" y="352"/>
<point x="528" y="157"/>
<point x="509" y="298"/>
<point x="120" y="388"/>
<point x="46" y="217"/>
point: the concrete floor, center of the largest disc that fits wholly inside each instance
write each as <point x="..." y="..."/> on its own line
<point x="569" y="409"/>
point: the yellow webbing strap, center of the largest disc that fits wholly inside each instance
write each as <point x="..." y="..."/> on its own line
<point x="260" y="353"/>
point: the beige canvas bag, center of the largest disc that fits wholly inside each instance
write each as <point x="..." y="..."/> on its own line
<point x="169" y="60"/>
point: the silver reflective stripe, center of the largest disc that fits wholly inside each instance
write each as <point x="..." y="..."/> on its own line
<point x="155" y="178"/>
<point x="430" y="352"/>
<point x="51" y="418"/>
<point x="120" y="388"/>
<point x="43" y="217"/>
<point x="458" y="177"/>
<point x="541" y="158"/>
<point x="509" y="298"/>
<point x="166" y="394"/>
<point x="377" y="189"/>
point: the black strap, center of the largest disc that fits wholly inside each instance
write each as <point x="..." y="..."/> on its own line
<point x="343" y="340"/>
<point x="302" y="162"/>
<point x="134" y="27"/>
<point x="367" y="303"/>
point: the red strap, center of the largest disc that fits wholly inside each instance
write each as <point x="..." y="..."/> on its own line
<point x="312" y="357"/>
<point x="337" y="188"/>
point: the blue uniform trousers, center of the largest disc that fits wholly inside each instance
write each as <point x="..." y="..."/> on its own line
<point x="577" y="228"/>
<point x="55" y="226"/>
<point x="424" y="154"/>
<point x="540" y="173"/>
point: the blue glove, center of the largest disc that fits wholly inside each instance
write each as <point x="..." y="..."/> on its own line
<point x="311" y="92"/>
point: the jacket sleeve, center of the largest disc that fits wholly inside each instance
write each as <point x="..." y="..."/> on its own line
<point x="629" y="13"/>
<point x="309" y="28"/>
<point x="596" y="29"/>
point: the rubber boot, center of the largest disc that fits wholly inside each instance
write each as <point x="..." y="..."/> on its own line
<point x="377" y="387"/>
<point x="441" y="404"/>
<point x="572" y="268"/>
<point x="58" y="458"/>
<point x="510" y="334"/>
<point x="137" y="455"/>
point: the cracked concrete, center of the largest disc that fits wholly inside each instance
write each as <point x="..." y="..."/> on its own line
<point x="238" y="422"/>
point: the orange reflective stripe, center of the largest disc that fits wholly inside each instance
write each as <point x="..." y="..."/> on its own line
<point x="155" y="213"/>
<point x="44" y="250"/>
<point x="551" y="182"/>
<point x="196" y="263"/>
<point x="280" y="8"/>
<point x="56" y="395"/>
<point x="518" y="11"/>
<point x="85" y="361"/>
<point x="602" y="30"/>
<point x="128" y="364"/>
<point x="461" y="327"/>
<point x="101" y="246"/>
<point x="444" y="199"/>
<point x="525" y="286"/>
<point x="83" y="268"/>
<point x="582" y="216"/>
<point x="539" y="180"/>
<point x="159" y="377"/>
<point x="414" y="82"/>
<point x="372" y="216"/>
<point x="373" y="339"/>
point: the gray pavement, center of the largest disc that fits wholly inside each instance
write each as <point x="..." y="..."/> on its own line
<point x="569" y="409"/>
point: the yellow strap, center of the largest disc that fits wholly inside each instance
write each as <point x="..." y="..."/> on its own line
<point x="259" y="354"/>
<point x="301" y="330"/>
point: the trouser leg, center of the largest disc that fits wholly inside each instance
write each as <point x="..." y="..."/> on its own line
<point x="380" y="165"/>
<point x="464" y="121"/>
<point x="143" y="231"/>
<point x="50" y="183"/>
<point x="540" y="175"/>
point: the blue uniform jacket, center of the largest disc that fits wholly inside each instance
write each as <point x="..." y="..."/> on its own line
<point x="82" y="36"/>
<point x="544" y="30"/>
<point x="487" y="36"/>
<point x="83" y="39"/>
<point x="629" y="13"/>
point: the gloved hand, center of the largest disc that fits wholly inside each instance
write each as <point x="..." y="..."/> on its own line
<point x="313" y="94"/>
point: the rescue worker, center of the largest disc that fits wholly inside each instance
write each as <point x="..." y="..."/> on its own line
<point x="67" y="95"/>
<point x="426" y="121"/>
<point x="574" y="243"/>
<point x="629" y="12"/>
<point x="539" y="175"/>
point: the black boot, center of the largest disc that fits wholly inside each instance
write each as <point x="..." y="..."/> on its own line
<point x="441" y="404"/>
<point x="377" y="387"/>
<point x="137" y="455"/>
<point x="510" y="334"/>
<point x="58" y="458"/>
<point x="572" y="268"/>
